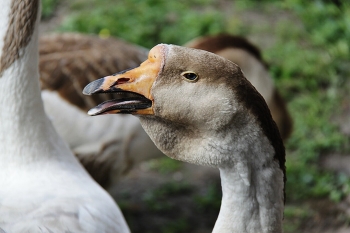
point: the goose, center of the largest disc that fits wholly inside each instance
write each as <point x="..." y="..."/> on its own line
<point x="199" y="108"/>
<point x="248" y="57"/>
<point x="43" y="186"/>
<point x="107" y="149"/>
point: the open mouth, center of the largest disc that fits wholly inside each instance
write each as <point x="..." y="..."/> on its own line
<point x="132" y="88"/>
<point x="125" y="102"/>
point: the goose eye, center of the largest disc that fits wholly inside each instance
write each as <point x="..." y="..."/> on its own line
<point x="190" y="76"/>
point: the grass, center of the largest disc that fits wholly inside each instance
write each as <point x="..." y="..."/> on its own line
<point x="295" y="216"/>
<point x="164" y="165"/>
<point x="211" y="199"/>
<point x="170" y="21"/>
<point x="313" y="76"/>
<point x="308" y="54"/>
<point x="156" y="199"/>
<point x="48" y="8"/>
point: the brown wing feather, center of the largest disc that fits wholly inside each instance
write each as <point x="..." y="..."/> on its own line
<point x="68" y="62"/>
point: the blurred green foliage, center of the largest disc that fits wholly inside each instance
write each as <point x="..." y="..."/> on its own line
<point x="315" y="68"/>
<point x="146" y="22"/>
<point x="164" y="165"/>
<point x="295" y="216"/>
<point x="211" y="199"/>
<point x="177" y="226"/>
<point x="48" y="8"/>
<point x="156" y="199"/>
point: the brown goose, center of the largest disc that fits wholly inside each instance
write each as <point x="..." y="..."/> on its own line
<point x="68" y="62"/>
<point x="248" y="57"/>
<point x="43" y="186"/>
<point x="198" y="107"/>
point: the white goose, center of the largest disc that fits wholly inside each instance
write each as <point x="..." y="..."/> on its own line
<point x="198" y="107"/>
<point x="248" y="57"/>
<point x="67" y="63"/>
<point x="43" y="186"/>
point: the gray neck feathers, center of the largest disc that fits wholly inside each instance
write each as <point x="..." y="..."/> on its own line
<point x="252" y="180"/>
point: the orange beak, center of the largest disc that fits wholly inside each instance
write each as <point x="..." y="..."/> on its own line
<point x="132" y="87"/>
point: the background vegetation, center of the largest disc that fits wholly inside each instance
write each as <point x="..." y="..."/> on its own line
<point x="307" y="45"/>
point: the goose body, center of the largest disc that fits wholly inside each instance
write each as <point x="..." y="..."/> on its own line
<point x="199" y="108"/>
<point x="68" y="62"/>
<point x="248" y="57"/>
<point x="43" y="186"/>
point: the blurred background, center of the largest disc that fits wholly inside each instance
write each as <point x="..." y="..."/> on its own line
<point x="307" y="47"/>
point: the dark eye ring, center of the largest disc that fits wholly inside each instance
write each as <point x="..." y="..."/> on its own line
<point x="190" y="76"/>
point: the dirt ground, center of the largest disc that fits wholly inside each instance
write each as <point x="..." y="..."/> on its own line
<point x="182" y="201"/>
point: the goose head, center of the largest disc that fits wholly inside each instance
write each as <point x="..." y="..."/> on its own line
<point x="196" y="106"/>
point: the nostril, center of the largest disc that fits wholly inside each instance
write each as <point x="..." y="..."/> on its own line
<point x="120" y="81"/>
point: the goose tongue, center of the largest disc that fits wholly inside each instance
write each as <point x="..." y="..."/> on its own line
<point x="126" y="102"/>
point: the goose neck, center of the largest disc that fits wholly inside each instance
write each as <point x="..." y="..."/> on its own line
<point x="252" y="199"/>
<point x="26" y="134"/>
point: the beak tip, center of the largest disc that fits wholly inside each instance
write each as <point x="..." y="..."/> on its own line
<point x="88" y="89"/>
<point x="92" y="112"/>
<point x="93" y="87"/>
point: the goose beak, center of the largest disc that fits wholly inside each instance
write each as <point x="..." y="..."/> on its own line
<point x="132" y="87"/>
